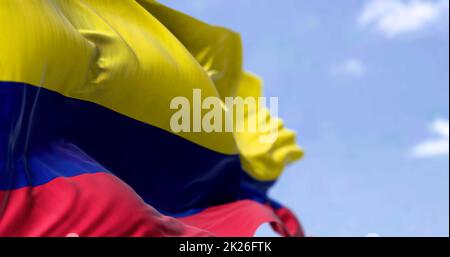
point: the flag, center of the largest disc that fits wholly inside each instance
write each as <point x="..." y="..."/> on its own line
<point x="86" y="146"/>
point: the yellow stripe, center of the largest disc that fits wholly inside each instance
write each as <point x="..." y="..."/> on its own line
<point x="217" y="49"/>
<point x="113" y="53"/>
<point x="262" y="160"/>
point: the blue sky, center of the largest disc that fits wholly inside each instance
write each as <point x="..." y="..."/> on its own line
<point x="366" y="86"/>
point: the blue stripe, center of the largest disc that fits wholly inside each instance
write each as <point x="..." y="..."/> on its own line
<point x="254" y="189"/>
<point x="32" y="153"/>
<point x="168" y="172"/>
<point x="59" y="159"/>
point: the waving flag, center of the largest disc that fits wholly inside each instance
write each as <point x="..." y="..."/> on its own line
<point x="86" y="146"/>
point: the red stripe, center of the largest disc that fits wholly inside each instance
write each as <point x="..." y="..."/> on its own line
<point x="87" y="205"/>
<point x="100" y="204"/>
<point x="289" y="226"/>
<point x="243" y="218"/>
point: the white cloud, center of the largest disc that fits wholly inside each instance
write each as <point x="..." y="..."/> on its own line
<point x="393" y="17"/>
<point x="438" y="146"/>
<point x="353" y="67"/>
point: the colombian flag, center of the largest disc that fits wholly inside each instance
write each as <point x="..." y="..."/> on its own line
<point x="85" y="143"/>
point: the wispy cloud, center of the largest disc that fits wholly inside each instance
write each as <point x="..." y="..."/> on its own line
<point x="352" y="67"/>
<point x="393" y="17"/>
<point x="438" y="146"/>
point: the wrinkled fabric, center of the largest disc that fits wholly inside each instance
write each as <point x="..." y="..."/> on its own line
<point x="85" y="142"/>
